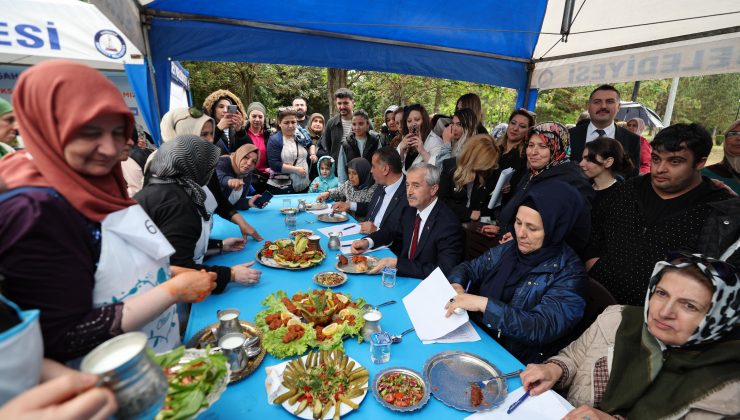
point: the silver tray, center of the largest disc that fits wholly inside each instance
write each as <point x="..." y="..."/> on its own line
<point x="328" y="218"/>
<point x="207" y="337"/>
<point x="316" y="206"/>
<point x="450" y="373"/>
<point x="405" y="371"/>
<point x="316" y="279"/>
<point x="350" y="267"/>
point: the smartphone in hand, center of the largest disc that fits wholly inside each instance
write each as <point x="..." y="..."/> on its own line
<point x="263" y="200"/>
<point x="231" y="109"/>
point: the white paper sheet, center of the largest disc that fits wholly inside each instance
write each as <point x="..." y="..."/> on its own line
<point x="463" y="334"/>
<point x="347" y="247"/>
<point x="503" y="179"/>
<point x="345" y="229"/>
<point x="546" y="406"/>
<point x="425" y="306"/>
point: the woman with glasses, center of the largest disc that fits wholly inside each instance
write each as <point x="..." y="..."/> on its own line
<point x="676" y="357"/>
<point x="728" y="170"/>
<point x="548" y="159"/>
<point x="462" y="127"/>
<point x="230" y="132"/>
<point x="287" y="155"/>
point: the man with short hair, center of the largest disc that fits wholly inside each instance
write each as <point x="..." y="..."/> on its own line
<point x="339" y="127"/>
<point x="302" y="110"/>
<point x="389" y="200"/>
<point x="603" y="104"/>
<point x="429" y="232"/>
<point x="644" y="218"/>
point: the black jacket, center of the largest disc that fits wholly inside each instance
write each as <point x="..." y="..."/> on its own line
<point x="630" y="141"/>
<point x="331" y="140"/>
<point x="721" y="230"/>
<point x="440" y="244"/>
<point x="229" y="144"/>
<point x="392" y="216"/>
<point x="457" y="201"/>
<point x="171" y="209"/>
<point x="351" y="150"/>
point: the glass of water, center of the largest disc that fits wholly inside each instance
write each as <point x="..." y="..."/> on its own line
<point x="290" y="219"/>
<point x="388" y="278"/>
<point x="287" y="203"/>
<point x="380" y="347"/>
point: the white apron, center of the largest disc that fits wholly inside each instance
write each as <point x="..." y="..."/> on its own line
<point x="205" y="232"/>
<point x="134" y="258"/>
<point x="22" y="351"/>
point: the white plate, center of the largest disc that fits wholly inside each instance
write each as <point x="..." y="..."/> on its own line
<point x="308" y="412"/>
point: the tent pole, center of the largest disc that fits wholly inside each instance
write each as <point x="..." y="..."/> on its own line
<point x="150" y="66"/>
<point x="635" y="90"/>
<point x="530" y="71"/>
<point x="671" y="100"/>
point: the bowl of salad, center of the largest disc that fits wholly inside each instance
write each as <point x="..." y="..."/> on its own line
<point x="400" y="389"/>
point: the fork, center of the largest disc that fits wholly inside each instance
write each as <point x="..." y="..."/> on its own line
<point x="483" y="384"/>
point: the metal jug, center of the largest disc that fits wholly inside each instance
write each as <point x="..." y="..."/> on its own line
<point x="334" y="240"/>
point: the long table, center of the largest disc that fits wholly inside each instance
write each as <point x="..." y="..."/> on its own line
<point x="248" y="398"/>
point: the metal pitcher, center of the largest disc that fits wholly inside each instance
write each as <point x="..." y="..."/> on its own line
<point x="335" y="240"/>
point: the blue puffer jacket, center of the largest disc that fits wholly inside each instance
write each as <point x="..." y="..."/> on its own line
<point x="547" y="304"/>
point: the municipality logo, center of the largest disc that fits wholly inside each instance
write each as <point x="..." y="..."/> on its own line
<point x="110" y="44"/>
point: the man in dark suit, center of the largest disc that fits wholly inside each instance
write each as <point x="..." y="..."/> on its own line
<point x="429" y="231"/>
<point x="603" y="105"/>
<point x="389" y="200"/>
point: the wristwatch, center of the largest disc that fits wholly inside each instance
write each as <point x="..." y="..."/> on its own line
<point x="220" y="246"/>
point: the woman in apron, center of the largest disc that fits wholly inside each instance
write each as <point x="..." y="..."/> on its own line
<point x="183" y="209"/>
<point x="74" y="245"/>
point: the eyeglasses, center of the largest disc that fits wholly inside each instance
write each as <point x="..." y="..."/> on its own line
<point x="721" y="269"/>
<point x="732" y="133"/>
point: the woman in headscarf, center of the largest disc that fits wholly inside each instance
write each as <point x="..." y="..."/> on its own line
<point x="259" y="134"/>
<point x="8" y="128"/>
<point x="461" y="128"/>
<point x="182" y="208"/>
<point x="637" y="126"/>
<point x="467" y="182"/>
<point x="230" y="132"/>
<point x="66" y="202"/>
<point x="315" y="129"/>
<point x="528" y="293"/>
<point x="676" y="357"/>
<point x="728" y="170"/>
<point x="358" y="188"/>
<point x="548" y="159"/>
<point x="234" y="173"/>
<point x="192" y="121"/>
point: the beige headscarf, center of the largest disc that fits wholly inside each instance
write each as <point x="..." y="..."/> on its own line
<point x="178" y="122"/>
<point x="240" y="154"/>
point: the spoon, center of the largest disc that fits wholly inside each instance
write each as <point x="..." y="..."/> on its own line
<point x="367" y="306"/>
<point x="483" y="384"/>
<point x="398" y="338"/>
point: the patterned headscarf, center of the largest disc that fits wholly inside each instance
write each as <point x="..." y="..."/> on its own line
<point x="724" y="312"/>
<point x="189" y="162"/>
<point x="558" y="141"/>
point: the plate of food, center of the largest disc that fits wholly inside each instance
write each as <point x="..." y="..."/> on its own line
<point x="453" y="376"/>
<point x="333" y="217"/>
<point x="290" y="254"/>
<point x="316" y="206"/>
<point x="400" y="389"/>
<point x="319" y="318"/>
<point x="319" y="385"/>
<point x="196" y="377"/>
<point x="286" y="210"/>
<point x="206" y="338"/>
<point x="330" y="279"/>
<point x="356" y="264"/>
<point x="301" y="232"/>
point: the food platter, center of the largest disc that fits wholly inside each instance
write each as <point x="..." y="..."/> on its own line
<point x="450" y="374"/>
<point x="400" y="389"/>
<point x="330" y="279"/>
<point x="316" y="206"/>
<point x="336" y="218"/>
<point x="300" y="232"/>
<point x="282" y="253"/>
<point x="355" y="264"/>
<point x="320" y="318"/>
<point x="331" y="369"/>
<point x="188" y="366"/>
<point x="286" y="210"/>
<point x="207" y="337"/>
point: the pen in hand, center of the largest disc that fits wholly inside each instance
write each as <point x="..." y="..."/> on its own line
<point x="518" y="402"/>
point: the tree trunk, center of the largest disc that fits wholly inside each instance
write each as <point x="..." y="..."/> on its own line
<point x="336" y="78"/>
<point x="437" y="97"/>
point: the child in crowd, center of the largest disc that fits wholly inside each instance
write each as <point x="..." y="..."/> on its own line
<point x="326" y="179"/>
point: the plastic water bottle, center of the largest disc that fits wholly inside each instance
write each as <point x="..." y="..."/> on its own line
<point x="380" y="347"/>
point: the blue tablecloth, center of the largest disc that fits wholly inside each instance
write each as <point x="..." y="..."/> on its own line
<point x="247" y="398"/>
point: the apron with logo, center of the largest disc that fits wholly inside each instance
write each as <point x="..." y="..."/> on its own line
<point x="22" y="351"/>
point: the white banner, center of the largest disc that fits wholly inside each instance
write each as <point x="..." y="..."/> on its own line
<point x="34" y="30"/>
<point x="713" y="55"/>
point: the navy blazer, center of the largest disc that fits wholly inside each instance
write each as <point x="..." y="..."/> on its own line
<point x="630" y="141"/>
<point x="441" y="243"/>
<point x="392" y="216"/>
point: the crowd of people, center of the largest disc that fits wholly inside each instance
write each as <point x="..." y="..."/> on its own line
<point x="595" y="206"/>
